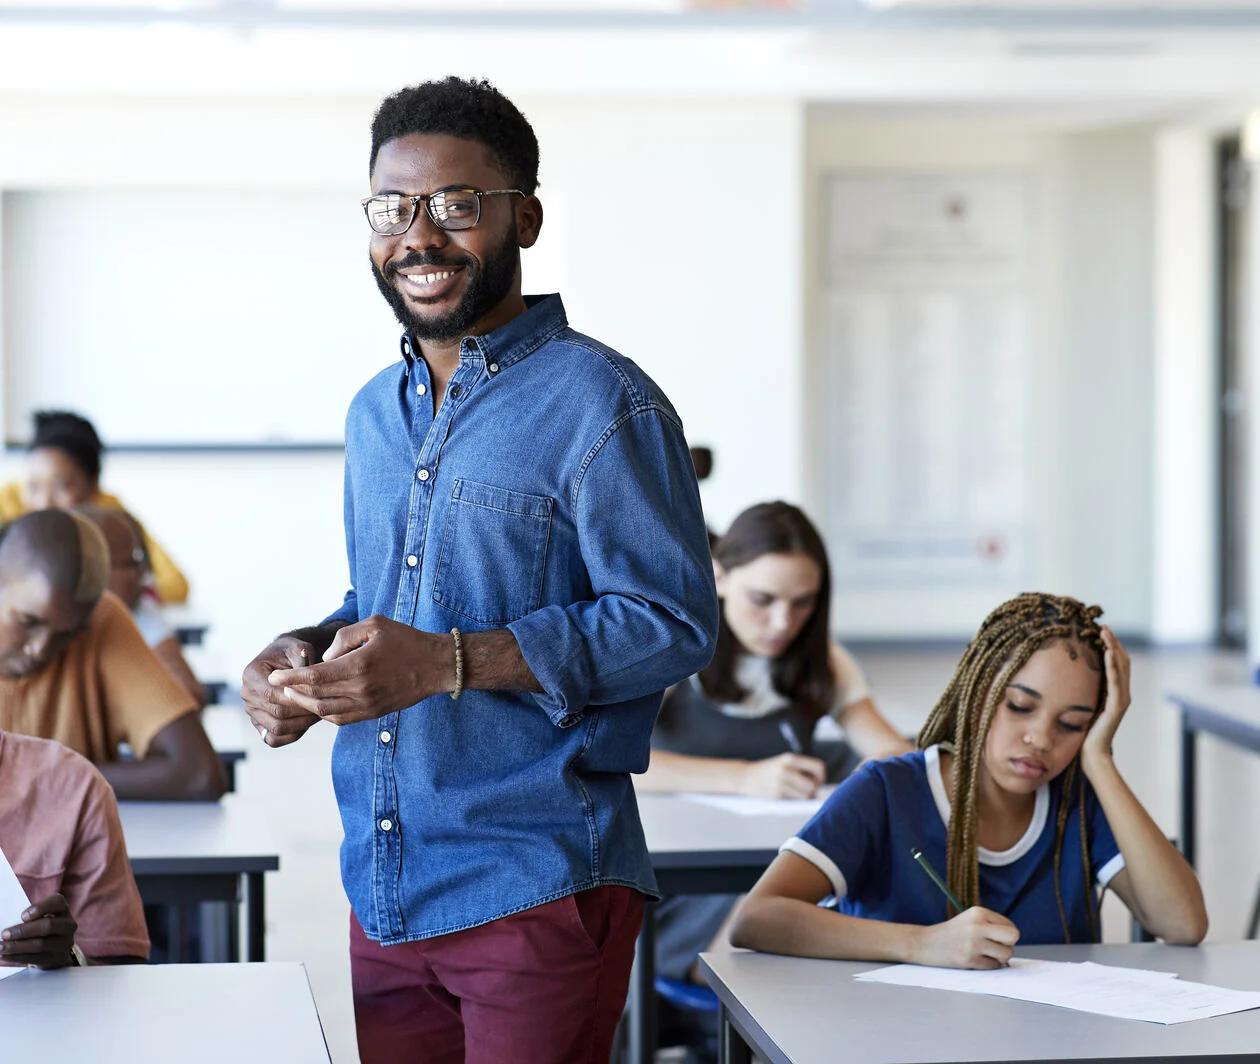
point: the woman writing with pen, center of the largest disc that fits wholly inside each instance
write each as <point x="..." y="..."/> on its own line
<point x="1013" y="792"/>
<point x="746" y="724"/>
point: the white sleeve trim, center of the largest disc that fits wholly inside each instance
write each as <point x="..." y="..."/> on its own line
<point x="1108" y="871"/>
<point x="819" y="860"/>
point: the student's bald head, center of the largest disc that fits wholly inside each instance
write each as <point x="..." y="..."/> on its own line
<point x="54" y="566"/>
<point x="68" y="550"/>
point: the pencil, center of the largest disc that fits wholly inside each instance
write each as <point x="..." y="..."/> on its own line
<point x="305" y="660"/>
<point x="923" y="863"/>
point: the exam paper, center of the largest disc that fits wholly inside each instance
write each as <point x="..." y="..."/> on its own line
<point x="1125" y="993"/>
<point x="13" y="902"/>
<point x="742" y="806"/>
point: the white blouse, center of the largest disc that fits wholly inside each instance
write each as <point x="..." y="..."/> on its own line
<point x="753" y="674"/>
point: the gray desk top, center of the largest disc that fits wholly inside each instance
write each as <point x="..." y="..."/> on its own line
<point x="182" y="838"/>
<point x="682" y="832"/>
<point x="815" y="1012"/>
<point x="1238" y="700"/>
<point x="154" y="1014"/>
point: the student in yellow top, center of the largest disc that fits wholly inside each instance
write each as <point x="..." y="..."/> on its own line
<point x="1013" y="793"/>
<point x="63" y="470"/>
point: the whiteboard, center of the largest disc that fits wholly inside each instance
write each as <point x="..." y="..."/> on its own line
<point x="190" y="316"/>
<point x="925" y="351"/>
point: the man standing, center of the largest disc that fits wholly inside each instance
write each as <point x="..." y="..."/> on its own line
<point x="529" y="571"/>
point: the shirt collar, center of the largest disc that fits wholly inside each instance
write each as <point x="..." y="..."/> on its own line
<point x="543" y="318"/>
<point x="1041" y="809"/>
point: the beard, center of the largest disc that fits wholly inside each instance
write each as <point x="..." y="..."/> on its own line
<point x="488" y="284"/>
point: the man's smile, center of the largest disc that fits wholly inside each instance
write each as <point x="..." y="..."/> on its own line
<point x="428" y="282"/>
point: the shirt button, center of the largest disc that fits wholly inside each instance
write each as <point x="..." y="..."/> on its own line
<point x="493" y="367"/>
<point x="421" y="389"/>
<point x="385" y="737"/>
<point x="455" y="390"/>
<point x="386" y="824"/>
<point x="412" y="561"/>
<point x="422" y="475"/>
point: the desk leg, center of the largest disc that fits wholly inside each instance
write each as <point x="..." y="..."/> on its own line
<point x="643" y="991"/>
<point x="234" y="932"/>
<point x="255" y="928"/>
<point x="732" y="1049"/>
<point x="1189" y="773"/>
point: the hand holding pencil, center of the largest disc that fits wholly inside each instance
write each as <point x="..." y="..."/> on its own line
<point x="975" y="938"/>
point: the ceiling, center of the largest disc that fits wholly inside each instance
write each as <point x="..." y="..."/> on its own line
<point x="844" y="15"/>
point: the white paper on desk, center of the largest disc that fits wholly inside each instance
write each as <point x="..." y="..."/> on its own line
<point x="742" y="806"/>
<point x="1125" y="993"/>
<point x="13" y="902"/>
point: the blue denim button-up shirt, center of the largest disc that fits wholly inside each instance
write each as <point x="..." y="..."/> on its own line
<point x="552" y="493"/>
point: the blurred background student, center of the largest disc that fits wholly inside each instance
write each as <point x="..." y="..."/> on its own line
<point x="131" y="579"/>
<point x="63" y="469"/>
<point x="748" y="722"/>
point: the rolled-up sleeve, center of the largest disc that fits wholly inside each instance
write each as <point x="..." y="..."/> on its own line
<point x="653" y="619"/>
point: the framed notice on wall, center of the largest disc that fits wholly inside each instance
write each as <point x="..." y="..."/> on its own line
<point x="924" y="356"/>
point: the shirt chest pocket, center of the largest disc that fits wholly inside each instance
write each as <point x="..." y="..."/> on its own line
<point x="494" y="551"/>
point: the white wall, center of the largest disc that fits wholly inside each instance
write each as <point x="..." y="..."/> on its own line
<point x="1185" y="420"/>
<point x="1089" y="428"/>
<point x="716" y="305"/>
<point x="707" y="302"/>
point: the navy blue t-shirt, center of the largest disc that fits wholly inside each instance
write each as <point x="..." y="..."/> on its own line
<point x="862" y="837"/>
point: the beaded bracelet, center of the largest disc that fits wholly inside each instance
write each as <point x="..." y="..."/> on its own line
<point x="459" y="663"/>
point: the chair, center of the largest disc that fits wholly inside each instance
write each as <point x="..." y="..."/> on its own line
<point x="683" y="994"/>
<point x="687" y="1016"/>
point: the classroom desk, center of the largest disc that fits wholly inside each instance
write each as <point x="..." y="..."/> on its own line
<point x="230" y="735"/>
<point x="695" y="849"/>
<point x="192" y="852"/>
<point x="789" y="1010"/>
<point x="189" y="628"/>
<point x="1230" y="712"/>
<point x="142" y="1014"/>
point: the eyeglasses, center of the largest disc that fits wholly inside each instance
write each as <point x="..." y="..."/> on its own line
<point x="392" y="213"/>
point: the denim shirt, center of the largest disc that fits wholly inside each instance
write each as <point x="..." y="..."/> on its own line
<point x="551" y="493"/>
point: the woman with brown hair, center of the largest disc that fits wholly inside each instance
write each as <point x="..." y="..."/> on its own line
<point x="1013" y="791"/>
<point x="746" y="724"/>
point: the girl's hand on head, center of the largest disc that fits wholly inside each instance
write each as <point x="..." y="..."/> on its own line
<point x="785" y="776"/>
<point x="977" y="938"/>
<point x="1097" y="746"/>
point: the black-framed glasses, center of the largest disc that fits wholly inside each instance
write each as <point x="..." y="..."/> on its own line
<point x="391" y="213"/>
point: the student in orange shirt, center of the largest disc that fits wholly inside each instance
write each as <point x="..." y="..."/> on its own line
<point x="74" y="667"/>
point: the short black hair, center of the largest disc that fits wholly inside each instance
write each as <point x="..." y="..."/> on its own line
<point x="473" y="110"/>
<point x="72" y="434"/>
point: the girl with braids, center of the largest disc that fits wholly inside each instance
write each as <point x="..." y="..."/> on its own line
<point x="1014" y="792"/>
<point x="63" y="470"/>
<point x="746" y="723"/>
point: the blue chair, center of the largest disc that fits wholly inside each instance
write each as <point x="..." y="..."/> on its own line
<point x="686" y="995"/>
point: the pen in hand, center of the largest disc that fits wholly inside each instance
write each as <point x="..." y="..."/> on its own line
<point x="923" y="863"/>
<point x="790" y="737"/>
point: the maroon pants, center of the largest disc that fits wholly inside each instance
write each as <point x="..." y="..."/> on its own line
<point x="546" y="985"/>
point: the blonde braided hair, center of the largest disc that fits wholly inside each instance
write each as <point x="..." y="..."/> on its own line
<point x="1009" y="636"/>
